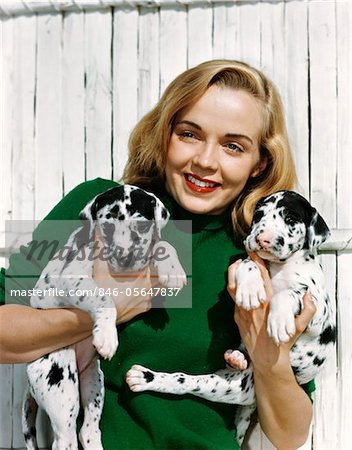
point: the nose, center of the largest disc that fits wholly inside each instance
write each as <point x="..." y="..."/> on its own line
<point x="264" y="239"/>
<point x="207" y="157"/>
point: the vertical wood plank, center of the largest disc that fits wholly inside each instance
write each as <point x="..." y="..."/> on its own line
<point x="322" y="48"/>
<point x="6" y="411"/>
<point x="48" y="132"/>
<point x="200" y="27"/>
<point x="344" y="218"/>
<point x="98" y="99"/>
<point x="19" y="382"/>
<point x="173" y="29"/>
<point x="297" y="100"/>
<point x="125" y="83"/>
<point x="273" y="43"/>
<point x="73" y="101"/>
<point x="23" y="159"/>
<point x="148" y="59"/>
<point x="6" y="117"/>
<point x="225" y="31"/>
<point x="322" y="51"/>
<point x="249" y="32"/>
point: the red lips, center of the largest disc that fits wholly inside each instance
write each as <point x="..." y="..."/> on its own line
<point x="191" y="180"/>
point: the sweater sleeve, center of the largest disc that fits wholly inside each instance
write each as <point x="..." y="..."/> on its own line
<point x="49" y="236"/>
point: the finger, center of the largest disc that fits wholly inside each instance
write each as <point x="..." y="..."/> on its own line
<point x="307" y="313"/>
<point x="260" y="263"/>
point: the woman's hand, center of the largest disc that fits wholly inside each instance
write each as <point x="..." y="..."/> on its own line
<point x="127" y="306"/>
<point x="264" y="353"/>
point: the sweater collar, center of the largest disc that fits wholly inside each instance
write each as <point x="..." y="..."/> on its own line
<point x="199" y="221"/>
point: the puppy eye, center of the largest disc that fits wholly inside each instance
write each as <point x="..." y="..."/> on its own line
<point x="290" y="219"/>
<point x="258" y="216"/>
<point x="144" y="227"/>
<point x="111" y="215"/>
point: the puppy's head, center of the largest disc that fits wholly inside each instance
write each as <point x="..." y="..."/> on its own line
<point x="284" y="223"/>
<point x="130" y="221"/>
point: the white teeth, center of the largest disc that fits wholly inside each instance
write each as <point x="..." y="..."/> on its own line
<point x="200" y="183"/>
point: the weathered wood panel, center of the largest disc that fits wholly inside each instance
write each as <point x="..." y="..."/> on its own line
<point x="344" y="220"/>
<point x="48" y="114"/>
<point x="125" y="80"/>
<point x="98" y="83"/>
<point x="322" y="70"/>
<point x="73" y="101"/>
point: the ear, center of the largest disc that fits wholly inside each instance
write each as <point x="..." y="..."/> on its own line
<point x="161" y="215"/>
<point x="88" y="215"/>
<point x="317" y="231"/>
<point x="260" y="167"/>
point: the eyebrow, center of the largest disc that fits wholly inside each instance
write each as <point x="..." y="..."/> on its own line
<point x="229" y="135"/>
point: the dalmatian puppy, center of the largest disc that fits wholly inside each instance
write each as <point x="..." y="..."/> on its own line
<point x="286" y="231"/>
<point x="129" y="220"/>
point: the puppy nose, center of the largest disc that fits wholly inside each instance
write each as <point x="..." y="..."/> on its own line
<point x="264" y="239"/>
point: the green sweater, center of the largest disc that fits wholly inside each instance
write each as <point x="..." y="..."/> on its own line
<point x="190" y="340"/>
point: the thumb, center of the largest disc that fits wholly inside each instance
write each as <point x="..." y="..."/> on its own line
<point x="307" y="313"/>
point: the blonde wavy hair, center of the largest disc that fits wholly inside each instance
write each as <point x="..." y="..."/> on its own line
<point x="150" y="138"/>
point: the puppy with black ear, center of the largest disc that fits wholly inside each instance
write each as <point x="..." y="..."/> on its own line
<point x="285" y="232"/>
<point x="129" y="221"/>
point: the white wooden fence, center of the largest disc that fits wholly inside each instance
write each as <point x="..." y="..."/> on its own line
<point x="76" y="76"/>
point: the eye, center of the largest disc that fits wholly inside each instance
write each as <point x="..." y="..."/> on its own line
<point x="258" y="216"/>
<point x="233" y="147"/>
<point x="187" y="135"/>
<point x="290" y="219"/>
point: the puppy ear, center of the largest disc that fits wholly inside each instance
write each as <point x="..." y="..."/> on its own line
<point x="89" y="215"/>
<point x="317" y="231"/>
<point x="161" y="215"/>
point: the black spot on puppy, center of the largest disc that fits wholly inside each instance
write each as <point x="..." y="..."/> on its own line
<point x="55" y="375"/>
<point x="149" y="377"/>
<point x="328" y="335"/>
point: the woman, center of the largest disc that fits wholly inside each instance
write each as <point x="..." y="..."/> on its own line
<point x="214" y="143"/>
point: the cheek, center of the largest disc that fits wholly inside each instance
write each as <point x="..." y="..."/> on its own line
<point x="174" y="157"/>
<point x="237" y="170"/>
<point x="236" y="174"/>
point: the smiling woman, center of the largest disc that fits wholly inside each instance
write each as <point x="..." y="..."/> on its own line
<point x="214" y="144"/>
<point x="214" y="150"/>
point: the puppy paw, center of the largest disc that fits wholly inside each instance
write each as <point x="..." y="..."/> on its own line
<point x="139" y="378"/>
<point x="250" y="290"/>
<point x="170" y="271"/>
<point x="171" y="274"/>
<point x="281" y="326"/>
<point x="105" y="340"/>
<point x="236" y="359"/>
<point x="250" y="295"/>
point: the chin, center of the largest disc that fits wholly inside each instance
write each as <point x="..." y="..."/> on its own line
<point x="269" y="256"/>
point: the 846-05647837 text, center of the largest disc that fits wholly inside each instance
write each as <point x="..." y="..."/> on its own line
<point x="97" y="291"/>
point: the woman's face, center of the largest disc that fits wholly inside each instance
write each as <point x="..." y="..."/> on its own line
<point x="213" y="150"/>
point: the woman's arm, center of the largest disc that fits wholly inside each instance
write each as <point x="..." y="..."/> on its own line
<point x="284" y="409"/>
<point x="27" y="333"/>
